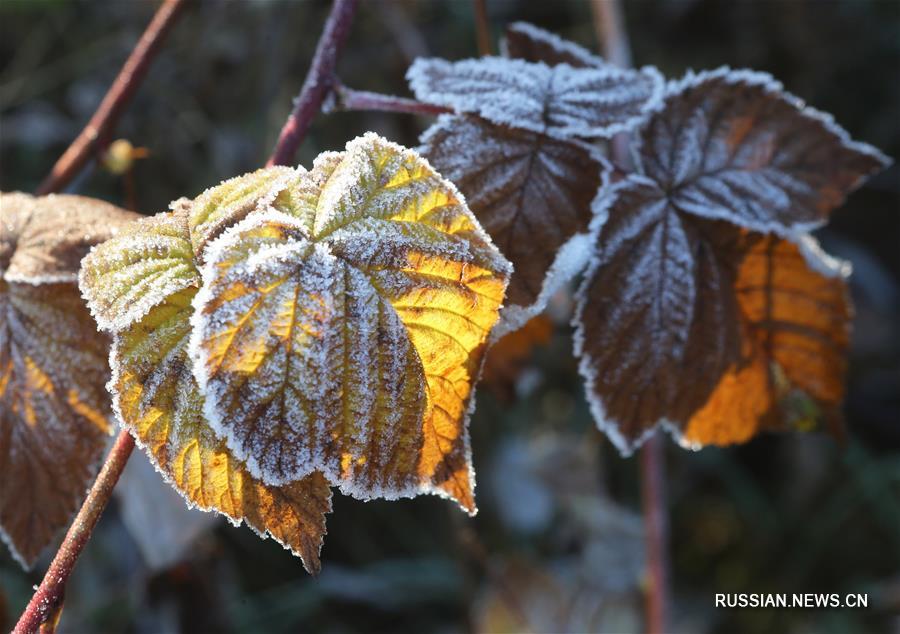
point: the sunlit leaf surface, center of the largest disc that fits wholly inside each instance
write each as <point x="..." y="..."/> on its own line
<point x="346" y="337"/>
<point x="158" y="399"/>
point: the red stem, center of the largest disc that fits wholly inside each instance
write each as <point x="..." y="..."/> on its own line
<point x="47" y="599"/>
<point x="318" y="83"/>
<point x="610" y="25"/>
<point x="96" y="133"/>
<point x="350" y="99"/>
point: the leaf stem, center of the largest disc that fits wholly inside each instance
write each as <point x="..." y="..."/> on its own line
<point x="96" y="133"/>
<point x="318" y="84"/>
<point x="610" y="26"/>
<point x="47" y="599"/>
<point x="350" y="99"/>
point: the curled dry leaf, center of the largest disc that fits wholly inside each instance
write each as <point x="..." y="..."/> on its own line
<point x="560" y="101"/>
<point x="290" y="330"/>
<point x="54" y="413"/>
<point x="531" y="192"/>
<point x="348" y="340"/>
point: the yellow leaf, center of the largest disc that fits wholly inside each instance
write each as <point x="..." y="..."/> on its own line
<point x="157" y="398"/>
<point x="342" y="328"/>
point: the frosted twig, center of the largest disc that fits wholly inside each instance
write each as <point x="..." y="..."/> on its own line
<point x="318" y="83"/>
<point x="609" y="23"/>
<point x="96" y="133"/>
<point x="47" y="600"/>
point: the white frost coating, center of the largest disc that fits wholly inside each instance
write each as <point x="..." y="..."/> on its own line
<point x="563" y="47"/>
<point x="561" y="101"/>
<point x="820" y="261"/>
<point x="16" y="555"/>
<point x="570" y="260"/>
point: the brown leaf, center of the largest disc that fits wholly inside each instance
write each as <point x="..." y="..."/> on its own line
<point x="532" y="194"/>
<point x="532" y="44"/>
<point x="709" y="329"/>
<point x="732" y="145"/>
<point x="54" y="409"/>
<point x="560" y="101"/>
<point x="656" y="319"/>
<point x="45" y="237"/>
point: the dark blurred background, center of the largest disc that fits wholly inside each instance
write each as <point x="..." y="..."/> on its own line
<point x="557" y="544"/>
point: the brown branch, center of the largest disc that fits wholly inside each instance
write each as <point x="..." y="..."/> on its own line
<point x="610" y="27"/>
<point x="350" y="99"/>
<point x="47" y="600"/>
<point x="318" y="83"/>
<point x="609" y="24"/>
<point x="653" y="494"/>
<point x="482" y="27"/>
<point x="96" y="133"/>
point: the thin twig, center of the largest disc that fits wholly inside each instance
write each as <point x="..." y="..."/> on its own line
<point x="653" y="494"/>
<point x="482" y="27"/>
<point x="350" y="99"/>
<point x="47" y="599"/>
<point x="610" y="26"/>
<point x="96" y="133"/>
<point x="318" y="83"/>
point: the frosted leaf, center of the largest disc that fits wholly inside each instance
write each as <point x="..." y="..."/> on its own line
<point x="733" y="145"/>
<point x="656" y="323"/>
<point x="560" y="101"/>
<point x="229" y="202"/>
<point x="44" y="237"/>
<point x="352" y="349"/>
<point x="533" y="44"/>
<point x="712" y="331"/>
<point x="53" y="411"/>
<point x="795" y="322"/>
<point x="123" y="278"/>
<point x="158" y="401"/>
<point x="532" y="193"/>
